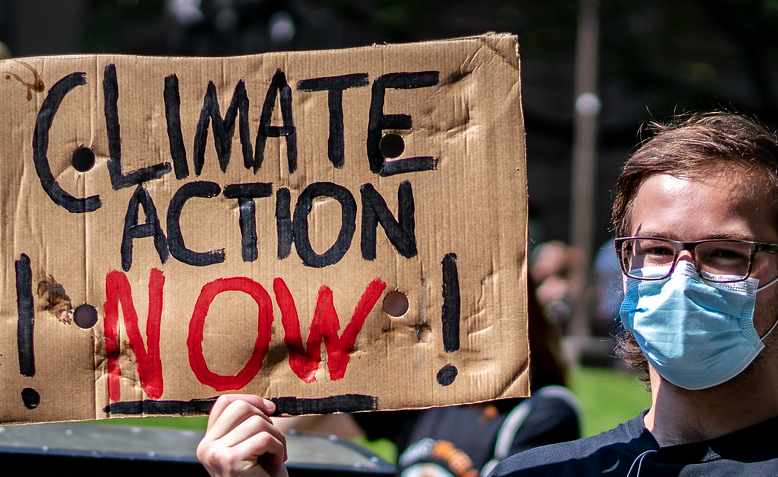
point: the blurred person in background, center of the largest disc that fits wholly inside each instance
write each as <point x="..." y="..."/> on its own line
<point x="551" y="266"/>
<point x="695" y="212"/>
<point x="465" y="441"/>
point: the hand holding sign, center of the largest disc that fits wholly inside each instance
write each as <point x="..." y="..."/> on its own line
<point x="184" y="272"/>
<point x="241" y="439"/>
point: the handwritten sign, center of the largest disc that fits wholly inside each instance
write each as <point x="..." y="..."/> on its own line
<point x="336" y="230"/>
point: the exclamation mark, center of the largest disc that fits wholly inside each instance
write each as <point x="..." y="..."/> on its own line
<point x="450" y="316"/>
<point x="25" y="328"/>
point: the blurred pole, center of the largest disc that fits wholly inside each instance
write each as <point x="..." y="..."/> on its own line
<point x="587" y="107"/>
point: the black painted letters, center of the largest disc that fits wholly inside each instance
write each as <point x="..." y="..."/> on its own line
<point x="120" y="180"/>
<point x="246" y="193"/>
<point x="40" y="146"/>
<point x="379" y="122"/>
<point x="400" y="233"/>
<point x="133" y="230"/>
<point x="178" y="249"/>
<point x="334" y="85"/>
<point x="266" y="129"/>
<point x="302" y="240"/>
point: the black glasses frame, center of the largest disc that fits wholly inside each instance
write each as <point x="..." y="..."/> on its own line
<point x="679" y="246"/>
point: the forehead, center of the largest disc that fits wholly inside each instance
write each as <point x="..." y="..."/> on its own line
<point x="720" y="204"/>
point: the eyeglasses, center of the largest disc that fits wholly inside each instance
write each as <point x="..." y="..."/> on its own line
<point x="717" y="260"/>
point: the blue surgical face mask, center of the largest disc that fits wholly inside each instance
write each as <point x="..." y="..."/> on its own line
<point x="696" y="334"/>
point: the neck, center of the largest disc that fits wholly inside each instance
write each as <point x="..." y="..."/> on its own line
<point x="679" y="416"/>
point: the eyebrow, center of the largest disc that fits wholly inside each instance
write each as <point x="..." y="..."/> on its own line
<point x="733" y="236"/>
<point x="672" y="236"/>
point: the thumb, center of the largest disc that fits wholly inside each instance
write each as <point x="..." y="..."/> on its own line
<point x="267" y="406"/>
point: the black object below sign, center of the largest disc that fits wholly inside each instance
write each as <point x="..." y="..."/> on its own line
<point x="88" y="449"/>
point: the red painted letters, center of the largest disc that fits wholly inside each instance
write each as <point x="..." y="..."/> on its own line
<point x="325" y="325"/>
<point x="304" y="360"/>
<point x="118" y="290"/>
<point x="195" y="340"/>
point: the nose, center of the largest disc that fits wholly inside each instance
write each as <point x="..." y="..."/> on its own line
<point x="686" y="255"/>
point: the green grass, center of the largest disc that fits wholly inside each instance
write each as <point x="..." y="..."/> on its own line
<point x="607" y="398"/>
<point x="193" y="423"/>
<point x="383" y="448"/>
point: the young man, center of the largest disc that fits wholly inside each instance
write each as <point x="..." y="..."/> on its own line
<point x="695" y="211"/>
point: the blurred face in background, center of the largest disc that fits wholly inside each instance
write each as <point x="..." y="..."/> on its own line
<point x="551" y="269"/>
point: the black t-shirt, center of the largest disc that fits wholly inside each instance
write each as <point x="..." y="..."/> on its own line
<point x="630" y="450"/>
<point x="463" y="440"/>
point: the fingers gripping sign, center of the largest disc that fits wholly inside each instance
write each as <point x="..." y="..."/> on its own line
<point x="241" y="440"/>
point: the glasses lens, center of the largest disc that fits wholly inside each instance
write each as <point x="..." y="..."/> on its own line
<point x="648" y="258"/>
<point x="724" y="260"/>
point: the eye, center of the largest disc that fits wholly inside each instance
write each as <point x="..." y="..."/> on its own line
<point x="658" y="250"/>
<point x="655" y="248"/>
<point x="726" y="257"/>
<point x="725" y="254"/>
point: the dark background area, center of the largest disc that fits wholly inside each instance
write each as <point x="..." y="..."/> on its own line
<point x="656" y="58"/>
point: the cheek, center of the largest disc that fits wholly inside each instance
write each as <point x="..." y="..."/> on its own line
<point x="766" y="311"/>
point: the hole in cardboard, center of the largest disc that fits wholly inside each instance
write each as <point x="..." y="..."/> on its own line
<point x="85" y="316"/>
<point x="395" y="304"/>
<point x="30" y="398"/>
<point x="447" y="374"/>
<point x="392" y="145"/>
<point x="83" y="159"/>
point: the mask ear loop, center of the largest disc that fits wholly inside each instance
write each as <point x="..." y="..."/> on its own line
<point x="762" y="338"/>
<point x="768" y="284"/>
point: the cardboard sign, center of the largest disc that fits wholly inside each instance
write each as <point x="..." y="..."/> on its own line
<point x="178" y="228"/>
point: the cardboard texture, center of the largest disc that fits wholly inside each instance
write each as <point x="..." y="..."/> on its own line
<point x="178" y="228"/>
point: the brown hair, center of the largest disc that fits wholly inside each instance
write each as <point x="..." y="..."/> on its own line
<point x="692" y="146"/>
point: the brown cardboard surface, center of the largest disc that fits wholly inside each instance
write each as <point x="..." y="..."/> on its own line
<point x="457" y="248"/>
